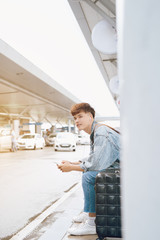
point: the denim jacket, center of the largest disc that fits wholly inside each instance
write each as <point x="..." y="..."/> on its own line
<point x="104" y="148"/>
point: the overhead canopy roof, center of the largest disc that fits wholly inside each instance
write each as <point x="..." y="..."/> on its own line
<point x="27" y="92"/>
<point x="88" y="13"/>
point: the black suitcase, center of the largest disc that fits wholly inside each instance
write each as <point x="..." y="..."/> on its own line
<point x="108" y="207"/>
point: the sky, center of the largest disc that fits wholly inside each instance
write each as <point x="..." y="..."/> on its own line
<point x="47" y="34"/>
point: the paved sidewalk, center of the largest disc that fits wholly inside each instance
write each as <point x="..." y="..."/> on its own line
<point x="55" y="227"/>
<point x="70" y="208"/>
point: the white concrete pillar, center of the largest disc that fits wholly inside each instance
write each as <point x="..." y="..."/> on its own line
<point x="75" y="130"/>
<point x="16" y="124"/>
<point x="69" y="125"/>
<point x="38" y="128"/>
<point x="55" y="129"/>
<point x="139" y="73"/>
<point x="52" y="129"/>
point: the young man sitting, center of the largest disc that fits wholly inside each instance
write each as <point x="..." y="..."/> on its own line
<point x="104" y="151"/>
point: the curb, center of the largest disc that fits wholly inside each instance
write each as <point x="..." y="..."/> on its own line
<point x="34" y="224"/>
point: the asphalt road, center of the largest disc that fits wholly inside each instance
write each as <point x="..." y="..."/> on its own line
<point x="30" y="182"/>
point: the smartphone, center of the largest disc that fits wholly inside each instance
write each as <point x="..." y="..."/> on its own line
<point x="57" y="163"/>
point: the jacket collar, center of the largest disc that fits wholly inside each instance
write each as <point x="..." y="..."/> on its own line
<point x="92" y="130"/>
<point x="93" y="126"/>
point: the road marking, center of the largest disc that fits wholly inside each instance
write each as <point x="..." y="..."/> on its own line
<point x="34" y="224"/>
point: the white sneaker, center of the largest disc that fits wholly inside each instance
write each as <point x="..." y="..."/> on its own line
<point x="82" y="217"/>
<point x="83" y="229"/>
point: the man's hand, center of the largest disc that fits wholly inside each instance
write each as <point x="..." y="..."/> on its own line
<point x="65" y="166"/>
<point x="64" y="161"/>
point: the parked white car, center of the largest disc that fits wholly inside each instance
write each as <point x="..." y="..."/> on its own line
<point x="83" y="139"/>
<point x="65" y="141"/>
<point x="5" y="143"/>
<point x="30" y="141"/>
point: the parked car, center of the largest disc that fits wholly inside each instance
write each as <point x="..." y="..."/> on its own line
<point x="5" y="143"/>
<point x="65" y="141"/>
<point x="83" y="139"/>
<point x="30" y="141"/>
<point x="50" y="139"/>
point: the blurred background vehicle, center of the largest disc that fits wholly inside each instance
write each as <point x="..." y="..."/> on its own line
<point x="65" y="141"/>
<point x="5" y="140"/>
<point x="78" y="137"/>
<point x="5" y="132"/>
<point x="50" y="139"/>
<point x="30" y="141"/>
<point x="83" y="139"/>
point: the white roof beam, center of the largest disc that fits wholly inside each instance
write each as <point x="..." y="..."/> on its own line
<point x="101" y="12"/>
<point x="4" y="110"/>
<point x="112" y="60"/>
<point x="109" y="5"/>
<point x="32" y="94"/>
<point x="11" y="115"/>
<point x="45" y="118"/>
<point x="24" y="110"/>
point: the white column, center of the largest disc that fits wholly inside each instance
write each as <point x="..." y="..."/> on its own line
<point x="55" y="129"/>
<point x="16" y="124"/>
<point x="38" y="128"/>
<point x="75" y="130"/>
<point x="139" y="72"/>
<point x="52" y="129"/>
<point x="69" y="125"/>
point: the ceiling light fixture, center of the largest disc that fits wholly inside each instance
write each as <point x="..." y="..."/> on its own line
<point x="104" y="37"/>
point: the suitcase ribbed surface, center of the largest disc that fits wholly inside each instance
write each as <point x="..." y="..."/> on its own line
<point x="108" y="208"/>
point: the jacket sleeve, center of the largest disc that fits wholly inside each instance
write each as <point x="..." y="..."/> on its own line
<point x="90" y="162"/>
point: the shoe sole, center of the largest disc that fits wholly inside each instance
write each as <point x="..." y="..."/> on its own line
<point x="73" y="234"/>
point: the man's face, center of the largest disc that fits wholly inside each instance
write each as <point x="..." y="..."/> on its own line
<point x="83" y="120"/>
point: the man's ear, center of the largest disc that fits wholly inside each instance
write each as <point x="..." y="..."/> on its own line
<point x="90" y="116"/>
